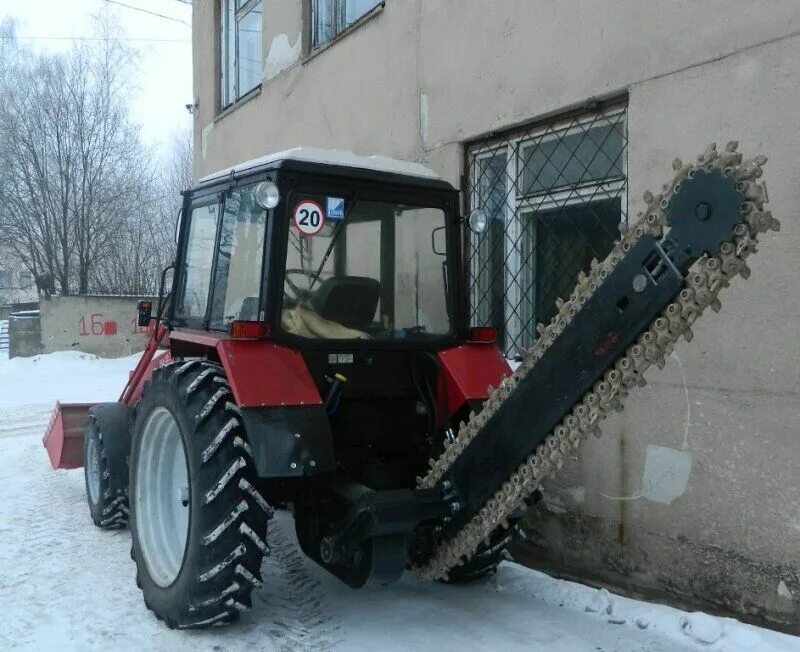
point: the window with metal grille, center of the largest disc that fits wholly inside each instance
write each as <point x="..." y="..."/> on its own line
<point x="241" y="57"/>
<point x="554" y="196"/>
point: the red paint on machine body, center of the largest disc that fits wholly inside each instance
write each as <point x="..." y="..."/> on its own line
<point x="64" y="437"/>
<point x="469" y="369"/>
<point x="265" y="374"/>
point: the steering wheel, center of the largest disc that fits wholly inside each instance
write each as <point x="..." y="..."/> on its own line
<point x="300" y="294"/>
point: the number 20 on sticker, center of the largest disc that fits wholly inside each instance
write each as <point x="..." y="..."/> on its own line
<point x="308" y="217"/>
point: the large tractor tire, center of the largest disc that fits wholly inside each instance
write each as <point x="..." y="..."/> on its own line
<point x="198" y="521"/>
<point x="106" y="446"/>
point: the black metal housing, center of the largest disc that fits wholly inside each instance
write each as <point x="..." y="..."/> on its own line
<point x="702" y="216"/>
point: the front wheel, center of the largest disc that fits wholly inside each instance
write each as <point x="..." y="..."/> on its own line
<point x="198" y="521"/>
<point x="106" y="491"/>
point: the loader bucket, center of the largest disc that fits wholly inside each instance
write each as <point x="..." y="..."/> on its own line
<point x="64" y="436"/>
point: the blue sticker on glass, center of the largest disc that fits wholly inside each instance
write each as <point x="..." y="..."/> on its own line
<point x="335" y="208"/>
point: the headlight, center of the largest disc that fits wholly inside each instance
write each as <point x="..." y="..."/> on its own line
<point x="266" y="194"/>
<point x="478" y="220"/>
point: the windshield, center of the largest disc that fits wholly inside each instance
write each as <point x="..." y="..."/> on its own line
<point x="359" y="268"/>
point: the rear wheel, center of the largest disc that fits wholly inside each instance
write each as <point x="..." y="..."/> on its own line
<point x="198" y="520"/>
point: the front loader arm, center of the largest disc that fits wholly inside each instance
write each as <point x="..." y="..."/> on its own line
<point x="621" y="319"/>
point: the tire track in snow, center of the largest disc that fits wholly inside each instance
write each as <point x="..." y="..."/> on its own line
<point x="25" y="419"/>
<point x="293" y="598"/>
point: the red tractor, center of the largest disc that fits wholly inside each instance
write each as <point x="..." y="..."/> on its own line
<point x="314" y="352"/>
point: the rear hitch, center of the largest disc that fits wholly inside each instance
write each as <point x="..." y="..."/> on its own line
<point x="368" y="545"/>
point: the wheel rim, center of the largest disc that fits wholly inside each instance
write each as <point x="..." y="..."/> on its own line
<point x="93" y="470"/>
<point x="161" y="497"/>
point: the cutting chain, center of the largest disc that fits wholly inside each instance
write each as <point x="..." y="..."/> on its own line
<point x="700" y="290"/>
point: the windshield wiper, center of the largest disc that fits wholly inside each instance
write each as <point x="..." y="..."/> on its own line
<point x="335" y="237"/>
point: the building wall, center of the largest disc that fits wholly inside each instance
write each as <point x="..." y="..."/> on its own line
<point x="103" y="325"/>
<point x="692" y="492"/>
<point x="17" y="284"/>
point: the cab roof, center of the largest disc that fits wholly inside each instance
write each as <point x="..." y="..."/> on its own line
<point x="309" y="157"/>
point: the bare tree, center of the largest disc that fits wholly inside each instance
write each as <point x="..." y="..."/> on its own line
<point x="76" y="177"/>
<point x="146" y="244"/>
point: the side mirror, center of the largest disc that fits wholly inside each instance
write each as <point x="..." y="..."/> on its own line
<point x="144" y="311"/>
<point x="438" y="242"/>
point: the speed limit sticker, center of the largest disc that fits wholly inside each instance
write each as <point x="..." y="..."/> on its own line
<point x="308" y="217"/>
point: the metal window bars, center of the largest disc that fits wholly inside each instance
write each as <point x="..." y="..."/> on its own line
<point x="555" y="195"/>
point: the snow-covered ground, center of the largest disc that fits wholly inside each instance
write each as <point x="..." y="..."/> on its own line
<point x="65" y="584"/>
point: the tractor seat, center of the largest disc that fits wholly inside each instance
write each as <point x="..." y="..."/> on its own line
<point x="348" y="300"/>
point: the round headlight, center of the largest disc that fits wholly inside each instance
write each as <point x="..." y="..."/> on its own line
<point x="266" y="194"/>
<point x="478" y="220"/>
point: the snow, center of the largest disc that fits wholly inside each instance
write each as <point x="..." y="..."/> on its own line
<point x="65" y="584"/>
<point x="330" y="157"/>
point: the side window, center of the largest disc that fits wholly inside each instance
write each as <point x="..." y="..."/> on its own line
<point x="241" y="57"/>
<point x="330" y="17"/>
<point x="198" y="261"/>
<point x="237" y="281"/>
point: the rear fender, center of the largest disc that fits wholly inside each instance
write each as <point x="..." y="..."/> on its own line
<point x="282" y="411"/>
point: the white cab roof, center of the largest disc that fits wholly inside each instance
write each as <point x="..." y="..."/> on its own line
<point x="330" y="157"/>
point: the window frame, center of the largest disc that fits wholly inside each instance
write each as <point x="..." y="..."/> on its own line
<point x="340" y="30"/>
<point x="229" y="62"/>
<point x="199" y="201"/>
<point x="517" y="206"/>
<point x="423" y="198"/>
<point x="243" y="183"/>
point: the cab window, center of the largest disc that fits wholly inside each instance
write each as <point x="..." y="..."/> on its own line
<point x="238" y="275"/>
<point x="366" y="270"/>
<point x="198" y="261"/>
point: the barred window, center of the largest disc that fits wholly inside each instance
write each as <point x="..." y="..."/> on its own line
<point x="555" y="196"/>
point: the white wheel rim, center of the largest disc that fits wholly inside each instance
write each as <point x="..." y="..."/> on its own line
<point x="162" y="497"/>
<point x="93" y="470"/>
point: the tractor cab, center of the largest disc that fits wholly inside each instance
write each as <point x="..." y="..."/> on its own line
<point x="329" y="288"/>
<point x="313" y="352"/>
<point x="323" y="250"/>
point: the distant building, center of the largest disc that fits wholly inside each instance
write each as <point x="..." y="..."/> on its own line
<point x="17" y="284"/>
<point x="553" y="118"/>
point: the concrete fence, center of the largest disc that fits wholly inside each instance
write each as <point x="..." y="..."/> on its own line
<point x="103" y="325"/>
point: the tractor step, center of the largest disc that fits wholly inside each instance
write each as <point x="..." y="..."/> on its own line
<point x="64" y="436"/>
